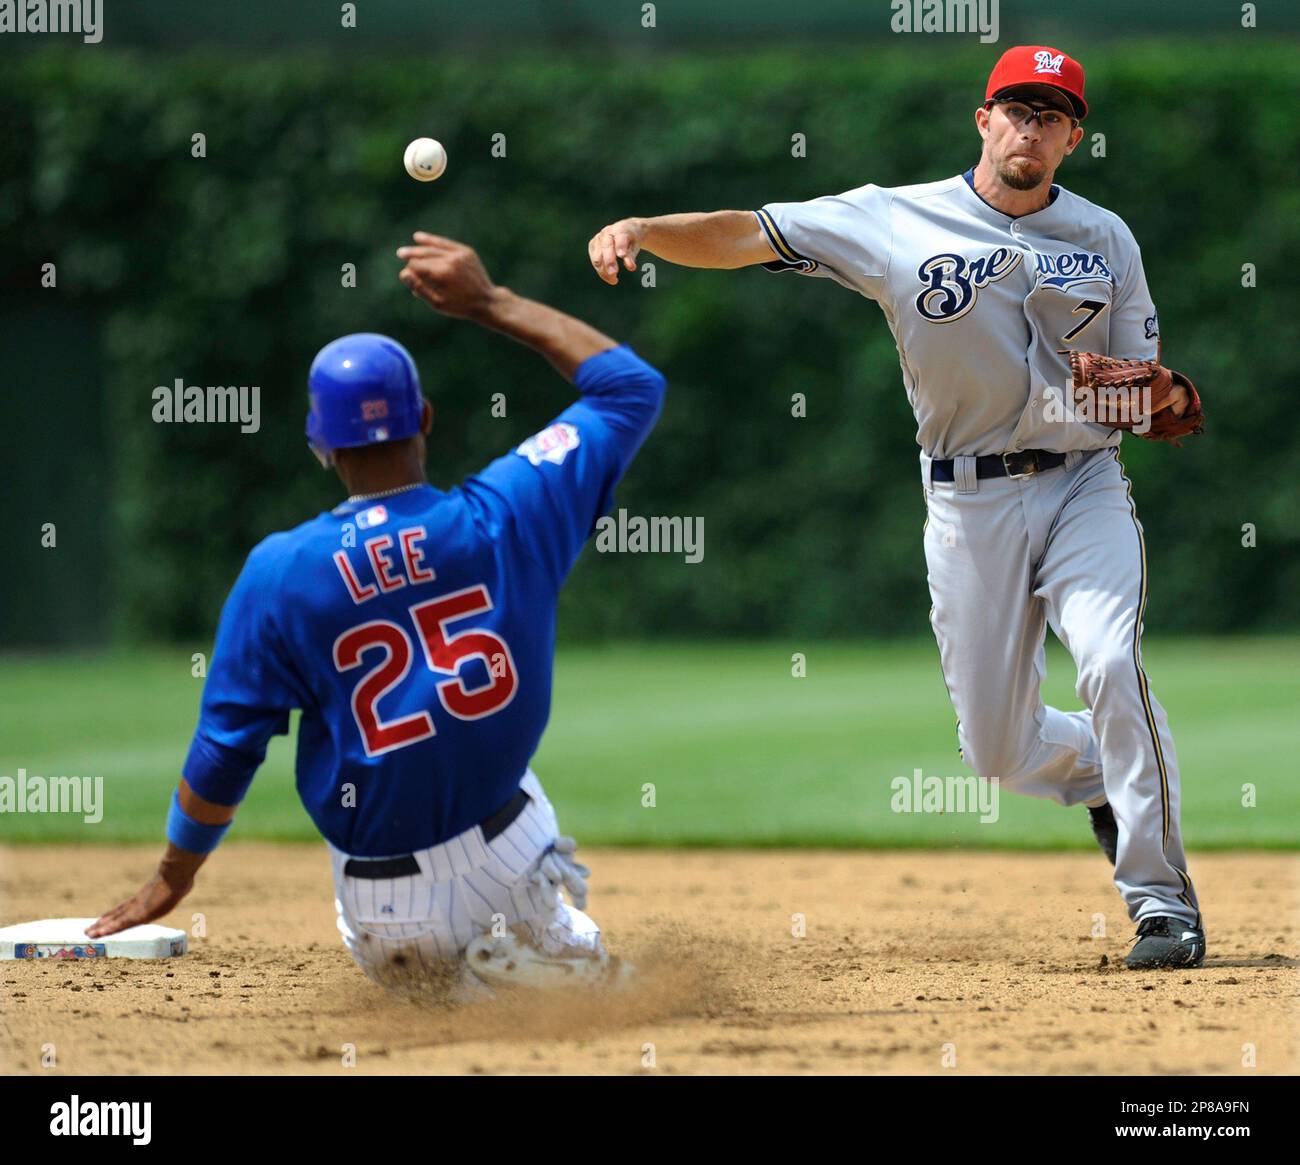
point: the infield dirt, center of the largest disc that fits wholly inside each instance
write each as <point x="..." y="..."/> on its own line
<point x="910" y="962"/>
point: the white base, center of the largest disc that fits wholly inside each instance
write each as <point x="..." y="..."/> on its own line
<point x="65" y="938"/>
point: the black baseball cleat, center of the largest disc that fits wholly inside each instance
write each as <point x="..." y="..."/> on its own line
<point x="1105" y="830"/>
<point x="1166" y="942"/>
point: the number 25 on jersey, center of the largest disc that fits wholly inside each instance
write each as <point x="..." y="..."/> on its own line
<point x="444" y="654"/>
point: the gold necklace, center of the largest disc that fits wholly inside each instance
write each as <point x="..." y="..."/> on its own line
<point x="385" y="493"/>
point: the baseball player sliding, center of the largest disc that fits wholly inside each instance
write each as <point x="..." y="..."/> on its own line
<point x="1006" y="295"/>
<point x="415" y="629"/>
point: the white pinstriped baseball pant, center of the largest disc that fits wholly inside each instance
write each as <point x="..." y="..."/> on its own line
<point x="408" y="928"/>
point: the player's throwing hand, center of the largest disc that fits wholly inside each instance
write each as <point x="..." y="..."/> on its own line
<point x="609" y="245"/>
<point x="447" y="275"/>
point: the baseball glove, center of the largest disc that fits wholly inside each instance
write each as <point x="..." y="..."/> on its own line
<point x="1134" y="395"/>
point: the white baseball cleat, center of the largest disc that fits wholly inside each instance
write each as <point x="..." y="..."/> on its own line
<point x="511" y="961"/>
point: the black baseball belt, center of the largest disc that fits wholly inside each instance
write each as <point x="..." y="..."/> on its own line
<point x="1022" y="464"/>
<point x="404" y="867"/>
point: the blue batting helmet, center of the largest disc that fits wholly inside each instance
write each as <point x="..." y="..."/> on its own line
<point x="363" y="389"/>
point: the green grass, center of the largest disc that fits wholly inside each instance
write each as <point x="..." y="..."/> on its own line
<point x="739" y="752"/>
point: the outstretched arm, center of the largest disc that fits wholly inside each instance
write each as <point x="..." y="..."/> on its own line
<point x="451" y="279"/>
<point x="246" y="700"/>
<point x="724" y="239"/>
<point x="549" y="491"/>
<point x="174" y="877"/>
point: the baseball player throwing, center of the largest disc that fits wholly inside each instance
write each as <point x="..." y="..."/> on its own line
<point x="415" y="630"/>
<point x="1007" y="295"/>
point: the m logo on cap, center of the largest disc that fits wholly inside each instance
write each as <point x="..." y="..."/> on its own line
<point x="1044" y="62"/>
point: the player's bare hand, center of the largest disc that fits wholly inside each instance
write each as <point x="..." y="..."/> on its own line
<point x="620" y="242"/>
<point x="157" y="897"/>
<point x="447" y="275"/>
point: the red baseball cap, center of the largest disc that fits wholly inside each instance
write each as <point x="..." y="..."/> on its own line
<point x="1036" y="64"/>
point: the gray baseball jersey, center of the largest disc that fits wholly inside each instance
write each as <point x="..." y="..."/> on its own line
<point x="979" y="303"/>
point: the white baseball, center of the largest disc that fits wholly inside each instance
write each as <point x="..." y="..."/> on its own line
<point x="425" y="159"/>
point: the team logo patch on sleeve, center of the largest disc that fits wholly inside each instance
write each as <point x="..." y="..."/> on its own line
<point x="375" y="516"/>
<point x="552" y="444"/>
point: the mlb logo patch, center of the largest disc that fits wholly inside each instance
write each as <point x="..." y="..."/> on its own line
<point x="375" y="516"/>
<point x="551" y="444"/>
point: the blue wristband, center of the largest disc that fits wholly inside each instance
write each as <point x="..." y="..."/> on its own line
<point x="190" y="835"/>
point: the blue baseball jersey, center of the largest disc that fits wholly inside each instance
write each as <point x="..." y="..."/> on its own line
<point x="417" y="632"/>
